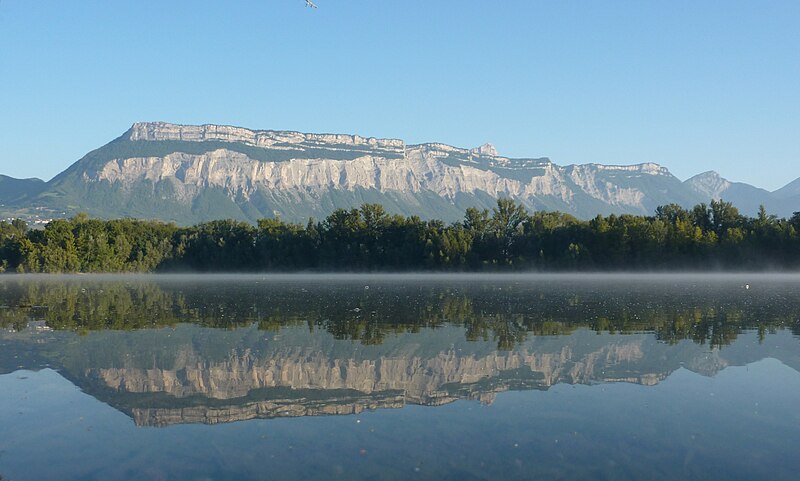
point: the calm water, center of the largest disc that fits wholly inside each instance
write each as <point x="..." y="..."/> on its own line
<point x="394" y="378"/>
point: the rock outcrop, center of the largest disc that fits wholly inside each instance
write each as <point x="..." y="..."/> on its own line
<point x="162" y="131"/>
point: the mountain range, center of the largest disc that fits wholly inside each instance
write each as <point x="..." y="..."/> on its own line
<point x="189" y="174"/>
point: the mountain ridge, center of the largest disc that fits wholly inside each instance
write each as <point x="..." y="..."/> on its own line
<point x="195" y="173"/>
<point x="12" y="189"/>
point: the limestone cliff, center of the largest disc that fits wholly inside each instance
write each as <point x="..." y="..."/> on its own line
<point x="195" y="173"/>
<point x="192" y="173"/>
<point x="388" y="166"/>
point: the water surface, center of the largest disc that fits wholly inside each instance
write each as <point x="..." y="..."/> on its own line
<point x="399" y="377"/>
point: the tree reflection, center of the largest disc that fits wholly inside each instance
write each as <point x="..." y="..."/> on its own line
<point x="507" y="315"/>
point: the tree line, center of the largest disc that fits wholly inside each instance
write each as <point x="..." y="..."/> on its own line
<point x="707" y="236"/>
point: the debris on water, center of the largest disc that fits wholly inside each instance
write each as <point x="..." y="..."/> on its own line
<point x="747" y="286"/>
<point x="357" y="309"/>
<point x="366" y="287"/>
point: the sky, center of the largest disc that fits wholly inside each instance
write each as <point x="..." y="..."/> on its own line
<point x="694" y="86"/>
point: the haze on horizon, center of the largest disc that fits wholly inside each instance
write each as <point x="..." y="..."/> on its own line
<point x="691" y="86"/>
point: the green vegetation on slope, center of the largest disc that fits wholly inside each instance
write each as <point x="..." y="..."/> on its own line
<point x="12" y="189"/>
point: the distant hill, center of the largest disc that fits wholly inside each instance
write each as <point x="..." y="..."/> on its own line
<point x="783" y="202"/>
<point x="12" y="189"/>
<point x="189" y="174"/>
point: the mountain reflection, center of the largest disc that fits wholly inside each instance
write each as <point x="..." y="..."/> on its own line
<point x="231" y="351"/>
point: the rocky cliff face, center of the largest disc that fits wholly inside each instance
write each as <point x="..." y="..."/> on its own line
<point x="188" y="173"/>
<point x="387" y="165"/>
<point x="194" y="173"/>
<point x="162" y="131"/>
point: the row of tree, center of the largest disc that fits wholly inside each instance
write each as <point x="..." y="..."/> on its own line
<point x="369" y="239"/>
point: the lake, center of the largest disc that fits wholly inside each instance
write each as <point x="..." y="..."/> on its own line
<point x="430" y="377"/>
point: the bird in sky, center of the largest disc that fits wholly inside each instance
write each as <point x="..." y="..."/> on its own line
<point x="309" y="3"/>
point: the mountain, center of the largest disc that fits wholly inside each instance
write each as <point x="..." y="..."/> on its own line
<point x="788" y="191"/>
<point x="787" y="198"/>
<point x="710" y="185"/>
<point x="189" y="174"/>
<point x="12" y="189"/>
<point x="782" y="202"/>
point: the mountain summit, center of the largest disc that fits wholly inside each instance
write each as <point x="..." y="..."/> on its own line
<point x="193" y="173"/>
<point x="710" y="185"/>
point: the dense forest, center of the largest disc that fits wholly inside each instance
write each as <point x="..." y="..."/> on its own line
<point x="714" y="236"/>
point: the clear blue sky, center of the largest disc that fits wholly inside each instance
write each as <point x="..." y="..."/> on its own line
<point x="694" y="85"/>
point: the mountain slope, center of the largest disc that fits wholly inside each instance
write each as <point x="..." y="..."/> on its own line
<point x="786" y="199"/>
<point x="788" y="191"/>
<point x="747" y="198"/>
<point x="12" y="189"/>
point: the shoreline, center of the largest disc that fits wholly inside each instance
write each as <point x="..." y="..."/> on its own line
<point x="420" y="276"/>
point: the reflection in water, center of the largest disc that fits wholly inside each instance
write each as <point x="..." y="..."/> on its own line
<point x="707" y="310"/>
<point x="237" y="349"/>
<point x="602" y="378"/>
